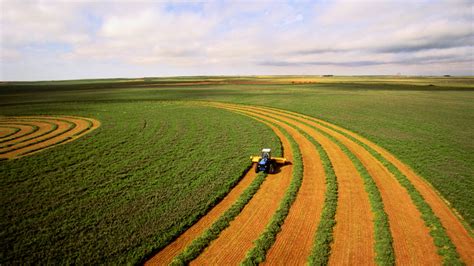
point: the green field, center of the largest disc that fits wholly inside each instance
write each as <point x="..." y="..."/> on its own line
<point x="110" y="194"/>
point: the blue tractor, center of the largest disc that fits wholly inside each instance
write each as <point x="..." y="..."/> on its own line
<point x="266" y="163"/>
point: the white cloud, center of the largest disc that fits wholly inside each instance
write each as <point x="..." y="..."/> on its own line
<point x="360" y="37"/>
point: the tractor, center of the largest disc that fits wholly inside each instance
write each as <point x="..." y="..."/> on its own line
<point x="266" y="163"/>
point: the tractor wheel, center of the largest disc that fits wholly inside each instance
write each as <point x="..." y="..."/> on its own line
<point x="271" y="168"/>
<point x="256" y="169"/>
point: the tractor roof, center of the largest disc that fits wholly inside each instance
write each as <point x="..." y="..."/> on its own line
<point x="266" y="150"/>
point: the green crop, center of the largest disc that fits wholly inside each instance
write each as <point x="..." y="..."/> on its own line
<point x="86" y="190"/>
<point x="128" y="188"/>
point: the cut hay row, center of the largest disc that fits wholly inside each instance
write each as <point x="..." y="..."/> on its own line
<point x="192" y="242"/>
<point x="384" y="213"/>
<point x="293" y="244"/>
<point x="451" y="237"/>
<point x="406" y="227"/>
<point x="47" y="129"/>
<point x="50" y="131"/>
<point x="353" y="216"/>
<point x="24" y="130"/>
<point x="166" y="255"/>
<point x="410" y="231"/>
<point x="6" y="131"/>
<point x="236" y="240"/>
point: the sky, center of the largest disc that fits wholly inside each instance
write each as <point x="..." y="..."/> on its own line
<point x="75" y="39"/>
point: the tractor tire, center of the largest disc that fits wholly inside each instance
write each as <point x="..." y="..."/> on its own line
<point x="271" y="169"/>
<point x="256" y="169"/>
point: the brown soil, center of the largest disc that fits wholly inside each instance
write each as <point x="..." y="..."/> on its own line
<point x="234" y="242"/>
<point x="63" y="134"/>
<point x="166" y="255"/>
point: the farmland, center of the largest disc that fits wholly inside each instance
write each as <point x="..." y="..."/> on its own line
<point x="170" y="152"/>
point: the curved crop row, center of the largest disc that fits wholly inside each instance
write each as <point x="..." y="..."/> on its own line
<point x="196" y="247"/>
<point x="14" y="130"/>
<point x="25" y="130"/>
<point x="267" y="238"/>
<point x="60" y="130"/>
<point x="33" y="138"/>
<point x="351" y="196"/>
<point x="443" y="242"/>
<point x="377" y="177"/>
<point x="383" y="239"/>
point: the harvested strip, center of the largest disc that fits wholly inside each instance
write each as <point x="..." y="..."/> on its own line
<point x="197" y="246"/>
<point x="166" y="255"/>
<point x="233" y="243"/>
<point x="353" y="233"/>
<point x="56" y="128"/>
<point x="293" y="244"/>
<point x="458" y="234"/>
<point x="80" y="125"/>
<point x="412" y="242"/>
<point x="267" y="238"/>
<point x="25" y="130"/>
<point x="65" y="129"/>
<point x="451" y="224"/>
<point x="408" y="229"/>
<point x="7" y="131"/>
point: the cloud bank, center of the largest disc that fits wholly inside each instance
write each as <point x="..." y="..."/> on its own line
<point x="86" y="39"/>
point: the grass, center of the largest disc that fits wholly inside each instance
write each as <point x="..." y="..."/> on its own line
<point x="427" y="127"/>
<point x="198" y="245"/>
<point x="134" y="186"/>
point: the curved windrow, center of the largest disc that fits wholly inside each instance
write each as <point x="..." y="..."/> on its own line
<point x="25" y="135"/>
<point x="364" y="207"/>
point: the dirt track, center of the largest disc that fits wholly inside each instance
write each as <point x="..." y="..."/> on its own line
<point x="354" y="232"/>
<point x="37" y="133"/>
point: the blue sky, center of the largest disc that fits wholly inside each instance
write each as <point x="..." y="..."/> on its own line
<point x="43" y="40"/>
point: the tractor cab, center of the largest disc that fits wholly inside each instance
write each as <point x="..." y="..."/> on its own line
<point x="266" y="153"/>
<point x="266" y="163"/>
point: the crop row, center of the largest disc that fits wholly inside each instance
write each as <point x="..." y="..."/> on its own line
<point x="444" y="244"/>
<point x="267" y="238"/>
<point x="15" y="130"/>
<point x="34" y="128"/>
<point x="134" y="186"/>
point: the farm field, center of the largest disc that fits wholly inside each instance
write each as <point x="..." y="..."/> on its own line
<point x="164" y="178"/>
